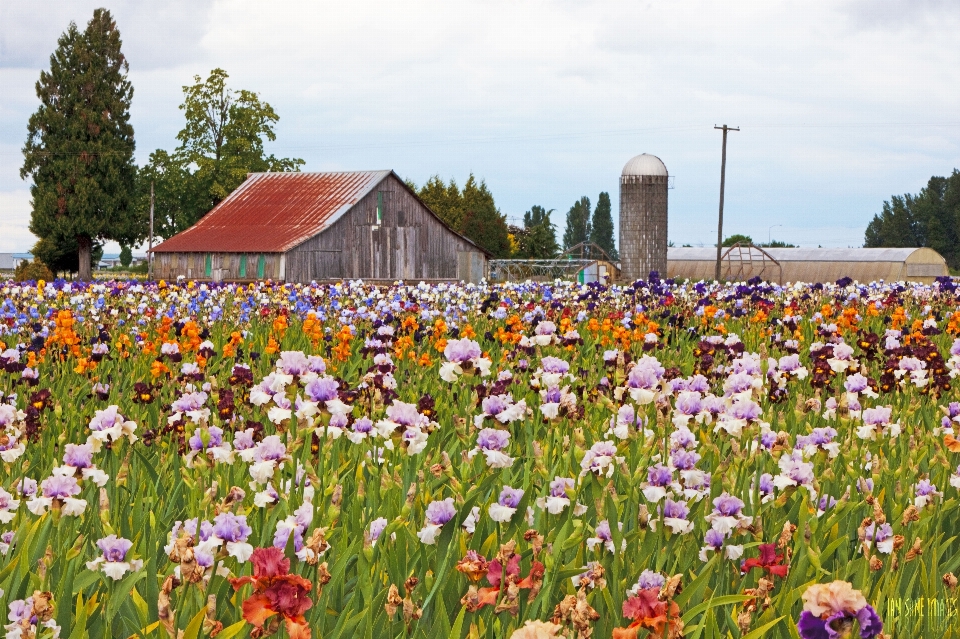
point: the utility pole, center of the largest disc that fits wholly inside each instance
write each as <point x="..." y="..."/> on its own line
<point x="723" y="171"/>
<point x="150" y="249"/>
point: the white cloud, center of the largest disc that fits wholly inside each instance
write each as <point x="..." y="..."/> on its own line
<point x="15" y="236"/>
<point x="548" y="100"/>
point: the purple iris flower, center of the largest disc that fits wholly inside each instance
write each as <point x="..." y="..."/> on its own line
<point x="243" y="439"/>
<point x="493" y="439"/>
<point x="405" y="414"/>
<point x="188" y="402"/>
<point x="316" y="364"/>
<point x="78" y="455"/>
<point x="377" y="526"/>
<point x="440" y="512"/>
<point x="675" y="509"/>
<point x="924" y="487"/>
<point x="230" y="527"/>
<point x="270" y="449"/>
<point x="493" y="405"/>
<point x="293" y="363"/>
<point x="215" y="438"/>
<point x="114" y="548"/>
<point x="714" y="539"/>
<point x="462" y="350"/>
<point x="746" y="410"/>
<point x="650" y="580"/>
<point x="554" y="365"/>
<point x="659" y="475"/>
<point x="510" y="497"/>
<point x="603" y="531"/>
<point x="689" y="402"/>
<point x="560" y="485"/>
<point x="60" y="487"/>
<point x="766" y="484"/>
<point x="727" y="505"/>
<point x="363" y="425"/>
<point x="683" y="459"/>
<point x="855" y="383"/>
<point x="322" y="389"/>
<point x="552" y="396"/>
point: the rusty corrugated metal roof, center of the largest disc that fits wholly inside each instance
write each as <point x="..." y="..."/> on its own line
<point x="273" y="212"/>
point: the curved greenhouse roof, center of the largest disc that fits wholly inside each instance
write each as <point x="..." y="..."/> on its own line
<point x="809" y="264"/>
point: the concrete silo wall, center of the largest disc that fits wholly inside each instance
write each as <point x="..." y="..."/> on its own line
<point x="643" y="226"/>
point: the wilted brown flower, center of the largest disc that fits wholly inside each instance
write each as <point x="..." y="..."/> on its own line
<point x="474" y="566"/>
<point x="394" y="601"/>
<point x="575" y="611"/>
<point x="910" y="514"/>
<point x="915" y="551"/>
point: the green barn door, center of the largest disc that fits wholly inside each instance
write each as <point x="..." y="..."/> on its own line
<point x="261" y="263"/>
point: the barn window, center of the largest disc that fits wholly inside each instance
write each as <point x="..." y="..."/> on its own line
<point x="261" y="263"/>
<point x="242" y="272"/>
<point x="208" y="266"/>
<point x="379" y="207"/>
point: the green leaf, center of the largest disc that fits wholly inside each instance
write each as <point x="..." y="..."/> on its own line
<point x="757" y="633"/>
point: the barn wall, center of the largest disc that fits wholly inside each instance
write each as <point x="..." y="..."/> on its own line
<point x="223" y="266"/>
<point x="408" y="243"/>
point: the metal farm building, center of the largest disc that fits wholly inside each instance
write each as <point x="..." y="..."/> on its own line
<point x="784" y="265"/>
<point x="643" y="217"/>
<point x="299" y="227"/>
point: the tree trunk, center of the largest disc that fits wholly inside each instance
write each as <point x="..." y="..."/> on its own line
<point x="84" y="244"/>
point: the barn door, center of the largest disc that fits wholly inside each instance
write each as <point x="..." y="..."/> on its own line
<point x="407" y="251"/>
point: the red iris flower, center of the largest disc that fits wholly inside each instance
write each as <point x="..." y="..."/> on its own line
<point x="769" y="561"/>
<point x="275" y="592"/>
<point x="661" y="618"/>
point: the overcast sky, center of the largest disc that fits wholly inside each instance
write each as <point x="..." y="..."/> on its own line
<point x="840" y="104"/>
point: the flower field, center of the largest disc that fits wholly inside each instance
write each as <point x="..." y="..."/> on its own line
<point x="528" y="460"/>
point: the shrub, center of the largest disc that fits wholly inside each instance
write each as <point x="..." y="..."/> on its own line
<point x="34" y="270"/>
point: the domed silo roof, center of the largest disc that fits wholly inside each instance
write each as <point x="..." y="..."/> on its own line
<point x="645" y="164"/>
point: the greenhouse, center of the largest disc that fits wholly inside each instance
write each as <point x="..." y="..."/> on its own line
<point x="808" y="264"/>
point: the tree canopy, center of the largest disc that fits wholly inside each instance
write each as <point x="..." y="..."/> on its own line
<point x="930" y="218"/>
<point x="538" y="237"/>
<point x="79" y="149"/>
<point x="222" y="140"/>
<point x="737" y="238"/>
<point x="471" y="212"/>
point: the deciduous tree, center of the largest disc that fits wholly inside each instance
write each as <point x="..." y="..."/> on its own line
<point x="222" y="140"/>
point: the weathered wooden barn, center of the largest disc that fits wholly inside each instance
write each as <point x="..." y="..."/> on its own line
<point x="299" y="227"/>
<point x="811" y="265"/>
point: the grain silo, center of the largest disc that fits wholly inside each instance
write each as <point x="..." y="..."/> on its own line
<point x="643" y="218"/>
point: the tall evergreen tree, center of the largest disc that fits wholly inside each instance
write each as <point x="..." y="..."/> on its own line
<point x="536" y="215"/>
<point x="79" y="149"/>
<point x="930" y="218"/>
<point x="578" y="223"/>
<point x="444" y="200"/>
<point x="482" y="221"/>
<point x="601" y="227"/>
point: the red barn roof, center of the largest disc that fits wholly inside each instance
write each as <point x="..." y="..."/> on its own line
<point x="274" y="212"/>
